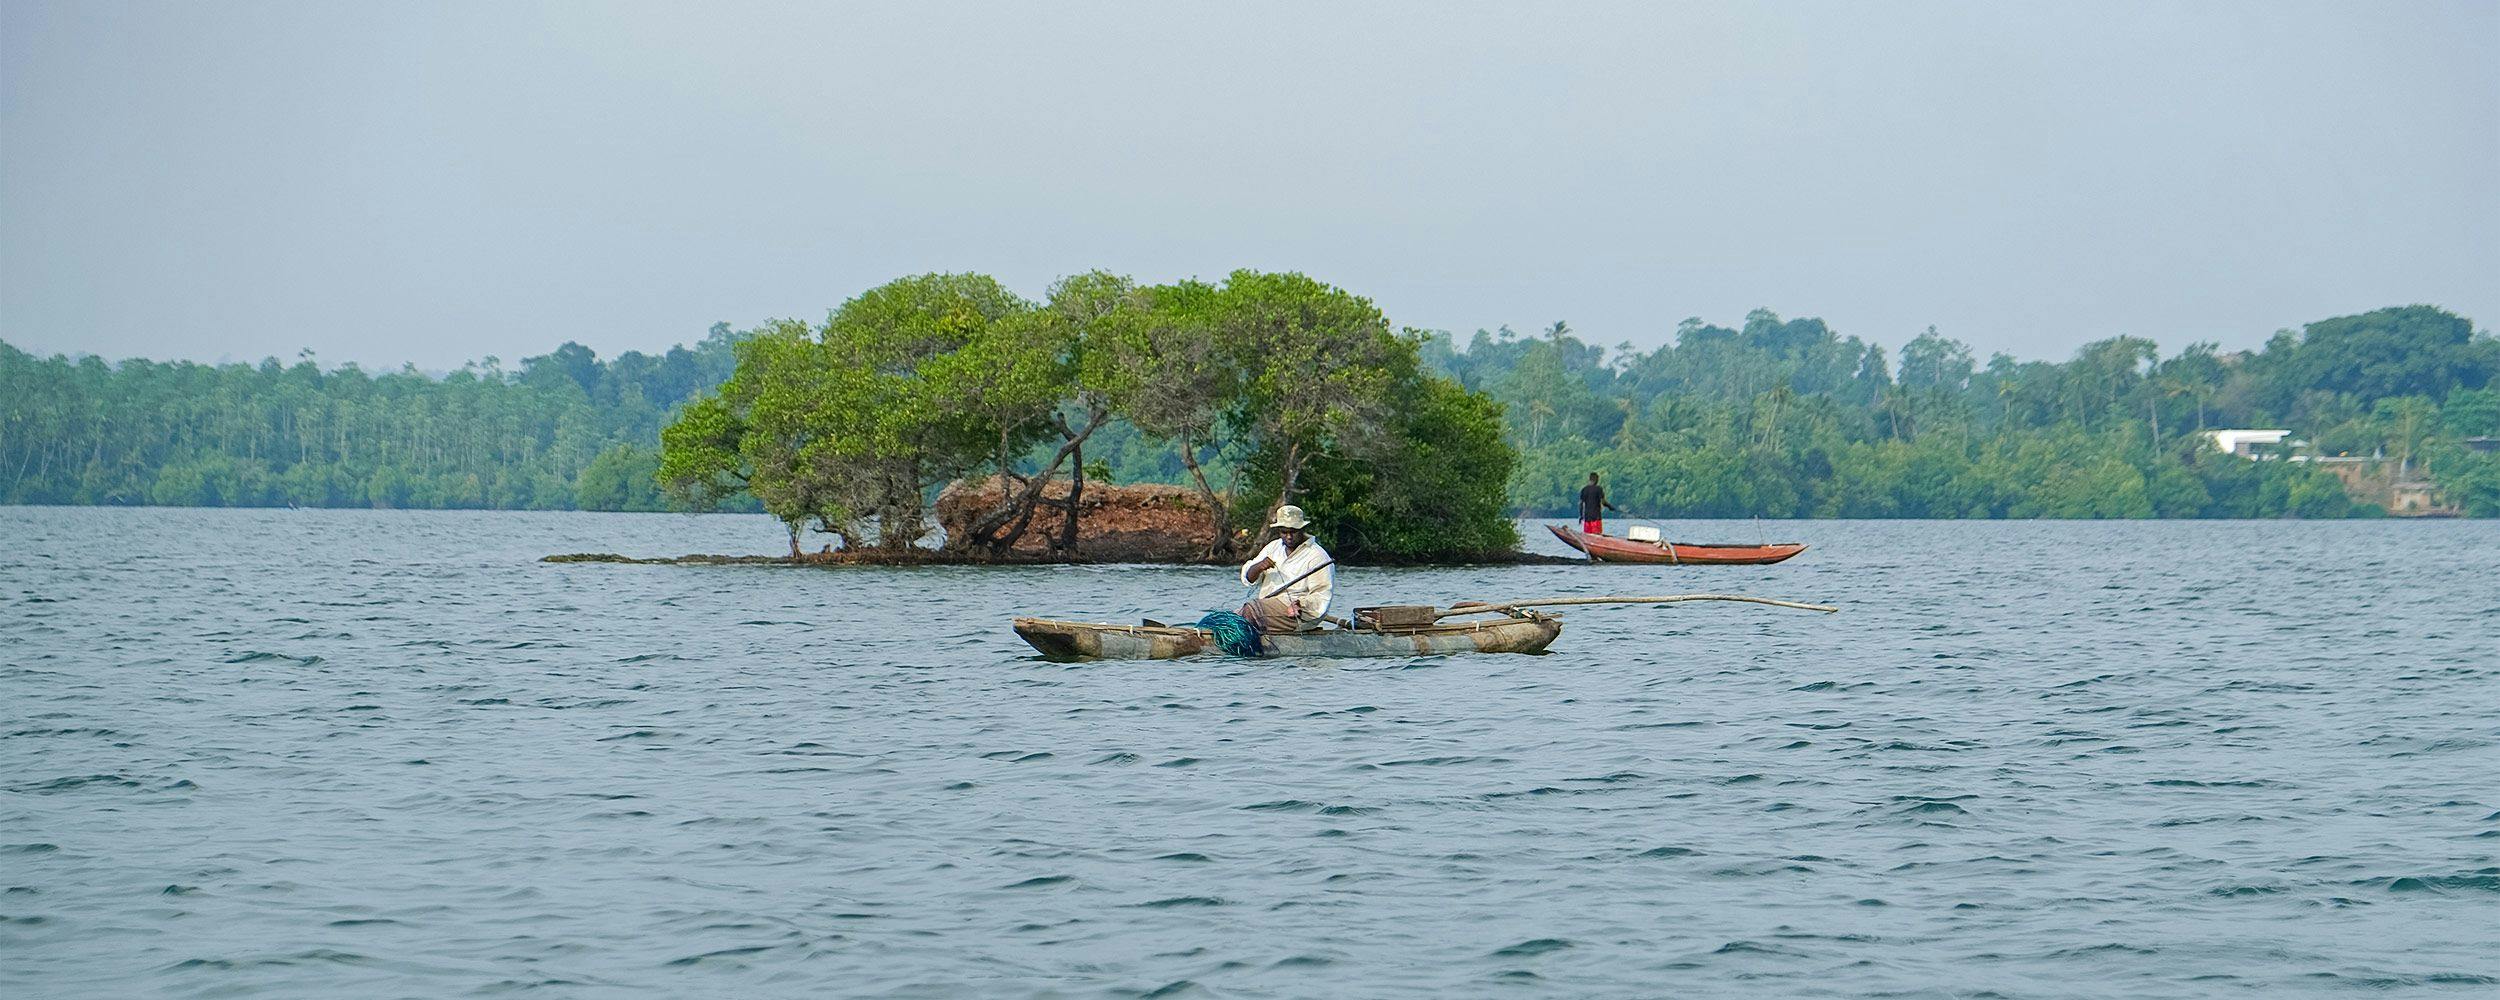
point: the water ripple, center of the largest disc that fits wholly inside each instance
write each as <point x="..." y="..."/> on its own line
<point x="325" y="753"/>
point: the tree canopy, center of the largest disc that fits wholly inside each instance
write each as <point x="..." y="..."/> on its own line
<point x="1265" y="386"/>
<point x="1787" y="418"/>
<point x="82" y="431"/>
<point x="941" y="377"/>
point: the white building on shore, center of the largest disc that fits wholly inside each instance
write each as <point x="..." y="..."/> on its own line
<point x="2245" y="443"/>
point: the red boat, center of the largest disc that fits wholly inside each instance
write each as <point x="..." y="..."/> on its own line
<point x="1607" y="548"/>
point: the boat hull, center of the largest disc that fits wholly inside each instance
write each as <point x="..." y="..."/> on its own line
<point x="1065" y="640"/>
<point x="1607" y="548"/>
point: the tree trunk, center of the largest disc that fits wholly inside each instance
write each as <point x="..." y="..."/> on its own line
<point x="1007" y="542"/>
<point x="1021" y="509"/>
<point x="1011" y="486"/>
<point x="1221" y="542"/>
<point x="1008" y="485"/>
<point x="893" y="524"/>
<point x="1076" y="496"/>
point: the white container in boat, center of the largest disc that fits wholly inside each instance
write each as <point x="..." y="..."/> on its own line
<point x="1642" y="533"/>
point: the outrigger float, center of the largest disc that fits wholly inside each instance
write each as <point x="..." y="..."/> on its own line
<point x="1396" y="630"/>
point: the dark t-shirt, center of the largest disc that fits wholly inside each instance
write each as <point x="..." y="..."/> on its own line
<point x="1592" y="498"/>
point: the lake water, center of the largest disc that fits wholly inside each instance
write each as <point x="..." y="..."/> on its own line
<point x="358" y="753"/>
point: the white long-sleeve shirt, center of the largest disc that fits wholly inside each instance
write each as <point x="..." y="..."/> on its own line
<point x="1315" y="591"/>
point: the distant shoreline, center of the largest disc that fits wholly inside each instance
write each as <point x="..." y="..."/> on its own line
<point x="936" y="557"/>
<point x="2359" y="515"/>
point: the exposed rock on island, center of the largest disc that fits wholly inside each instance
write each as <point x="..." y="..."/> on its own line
<point x="1145" y="523"/>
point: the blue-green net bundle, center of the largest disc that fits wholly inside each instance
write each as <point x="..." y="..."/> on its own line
<point x="1233" y="633"/>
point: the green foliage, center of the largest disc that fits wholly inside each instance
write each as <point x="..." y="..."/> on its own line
<point x="2106" y="488"/>
<point x="945" y="376"/>
<point x="86" y="432"/>
<point x="701" y="466"/>
<point x="1335" y="412"/>
<point x="1439" y="495"/>
<point x="845" y="428"/>
<point x="2473" y="483"/>
<point x="1267" y="386"/>
<point x="2471" y="413"/>
<point x="2317" y="495"/>
<point x="1785" y="418"/>
<point x="2409" y="351"/>
<point x="623" y="477"/>
<point x="1322" y="368"/>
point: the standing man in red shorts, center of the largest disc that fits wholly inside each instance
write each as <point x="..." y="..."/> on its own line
<point x="1592" y="499"/>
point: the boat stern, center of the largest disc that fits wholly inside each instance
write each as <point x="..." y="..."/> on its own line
<point x="1060" y="640"/>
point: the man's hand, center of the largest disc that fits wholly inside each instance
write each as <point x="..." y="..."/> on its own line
<point x="1258" y="568"/>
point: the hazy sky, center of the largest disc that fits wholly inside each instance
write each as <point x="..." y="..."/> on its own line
<point x="442" y="181"/>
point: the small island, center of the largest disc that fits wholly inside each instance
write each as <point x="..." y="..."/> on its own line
<point x="950" y="386"/>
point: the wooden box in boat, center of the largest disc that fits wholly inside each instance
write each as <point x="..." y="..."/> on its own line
<point x="1064" y="640"/>
<point x="1607" y="548"/>
<point x="1394" y="616"/>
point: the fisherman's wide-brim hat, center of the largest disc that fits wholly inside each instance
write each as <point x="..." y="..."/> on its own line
<point x="1289" y="516"/>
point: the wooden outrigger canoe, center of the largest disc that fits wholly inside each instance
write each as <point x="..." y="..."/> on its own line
<point x="1524" y="632"/>
<point x="1607" y="548"/>
<point x="1390" y="630"/>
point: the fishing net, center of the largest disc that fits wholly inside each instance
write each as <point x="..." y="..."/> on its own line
<point x="1233" y="633"/>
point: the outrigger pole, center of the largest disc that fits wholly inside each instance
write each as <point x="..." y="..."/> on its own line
<point x="1480" y="607"/>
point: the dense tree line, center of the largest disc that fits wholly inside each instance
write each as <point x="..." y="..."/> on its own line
<point x="1786" y="418"/>
<point x="565" y="430"/>
<point x="1771" y="418"/>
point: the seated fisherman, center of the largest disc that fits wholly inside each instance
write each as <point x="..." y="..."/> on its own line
<point x="1284" y="563"/>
